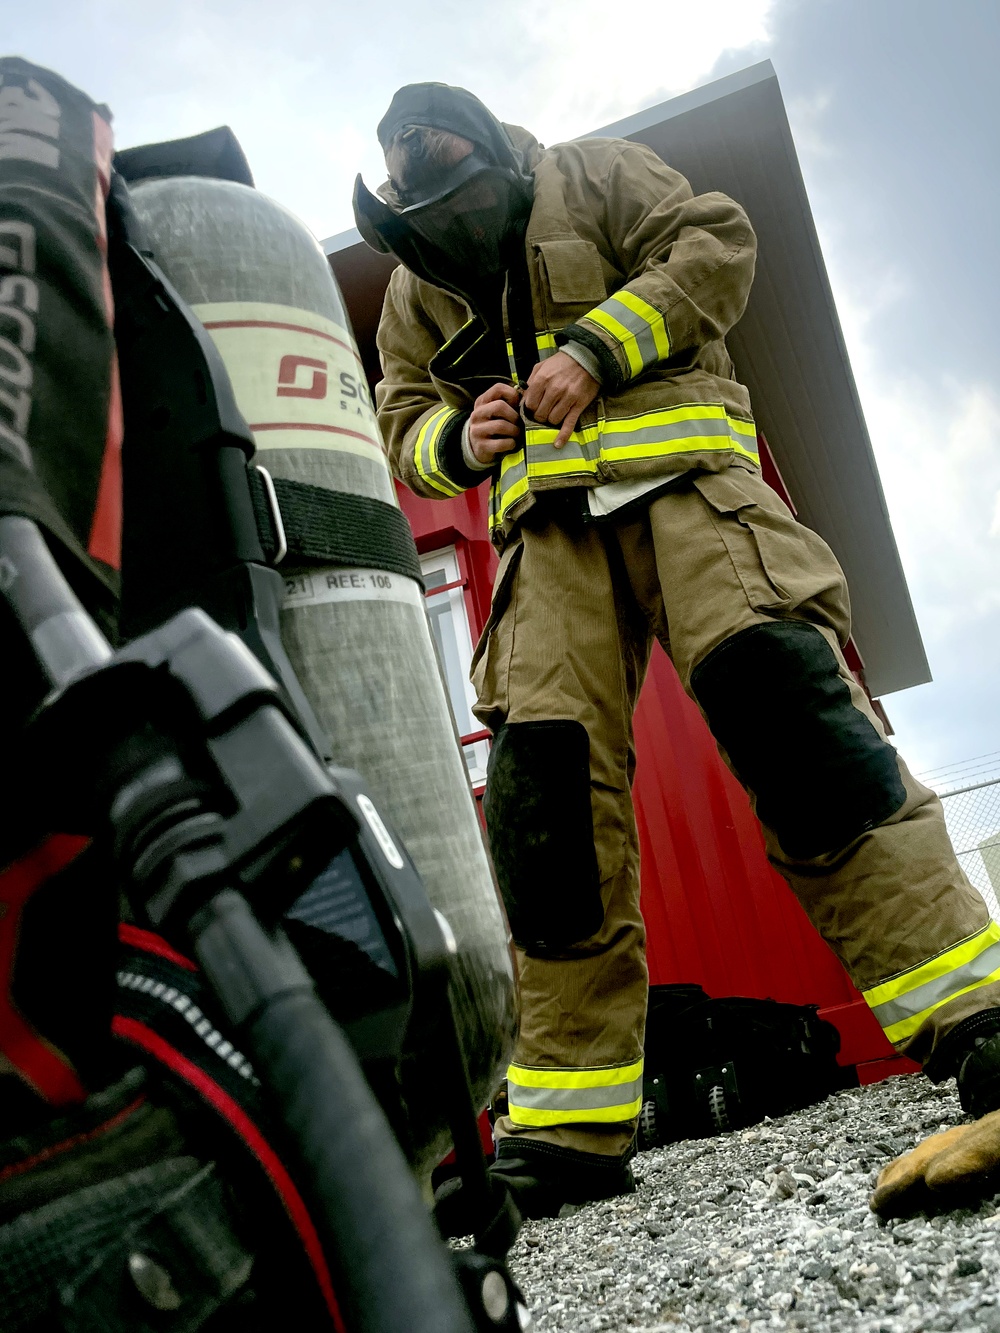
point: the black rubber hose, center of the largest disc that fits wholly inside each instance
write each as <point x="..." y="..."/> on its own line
<point x="64" y="639"/>
<point x="390" y="1270"/>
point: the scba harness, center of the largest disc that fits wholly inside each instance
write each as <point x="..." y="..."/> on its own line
<point x="119" y="1212"/>
<point x="248" y="1154"/>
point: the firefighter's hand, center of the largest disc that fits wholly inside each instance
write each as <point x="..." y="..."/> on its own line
<point x="954" y="1166"/>
<point x="559" y="390"/>
<point x="495" y="425"/>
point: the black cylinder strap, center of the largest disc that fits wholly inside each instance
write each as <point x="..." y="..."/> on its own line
<point x="324" y="527"/>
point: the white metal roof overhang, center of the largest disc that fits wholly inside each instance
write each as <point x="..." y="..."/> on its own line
<point x="733" y="136"/>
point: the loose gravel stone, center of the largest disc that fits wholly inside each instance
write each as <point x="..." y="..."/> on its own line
<point x="769" y="1228"/>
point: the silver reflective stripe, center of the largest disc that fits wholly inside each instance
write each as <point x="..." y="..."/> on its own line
<point x="573" y="1099"/>
<point x="510" y="477"/>
<point x="426" y="452"/>
<point x="941" y="988"/>
<point x="572" y="449"/>
<point x="635" y="324"/>
<point x="692" y="428"/>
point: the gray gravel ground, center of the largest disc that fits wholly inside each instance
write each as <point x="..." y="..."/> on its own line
<point x="769" y="1228"/>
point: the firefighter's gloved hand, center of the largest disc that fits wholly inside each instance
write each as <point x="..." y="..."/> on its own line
<point x="961" y="1164"/>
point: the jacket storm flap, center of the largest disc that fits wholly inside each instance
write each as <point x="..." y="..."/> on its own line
<point x="623" y="258"/>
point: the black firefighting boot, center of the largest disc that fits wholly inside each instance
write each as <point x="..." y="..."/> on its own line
<point x="540" y="1178"/>
<point x="962" y="1164"/>
<point x="971" y="1053"/>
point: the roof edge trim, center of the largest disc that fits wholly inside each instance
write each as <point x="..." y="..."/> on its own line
<point x="342" y="241"/>
<point x="684" y="102"/>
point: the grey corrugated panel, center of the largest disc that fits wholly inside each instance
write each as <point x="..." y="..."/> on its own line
<point x="733" y="135"/>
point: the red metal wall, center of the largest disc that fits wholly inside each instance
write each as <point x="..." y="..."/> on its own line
<point x="716" y="913"/>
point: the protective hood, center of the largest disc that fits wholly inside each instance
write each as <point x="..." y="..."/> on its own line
<point x="442" y="107"/>
<point x="460" y="235"/>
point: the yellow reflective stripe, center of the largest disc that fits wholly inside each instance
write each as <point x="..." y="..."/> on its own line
<point x="608" y="1094"/>
<point x="690" y="428"/>
<point x="688" y="445"/>
<point x="535" y="1118"/>
<point x="938" y="966"/>
<point x="685" y="412"/>
<point x="903" y="1003"/>
<point x="540" y="437"/>
<point x="900" y="1031"/>
<point x="507" y="498"/>
<point x="425" y="452"/>
<point x="555" y="468"/>
<point x="741" y="427"/>
<point x="455" y="336"/>
<point x="546" y="343"/>
<point x="665" y="433"/>
<point x="657" y="324"/>
<point x="601" y="1076"/>
<point x="637" y="326"/>
<point x="627" y="340"/>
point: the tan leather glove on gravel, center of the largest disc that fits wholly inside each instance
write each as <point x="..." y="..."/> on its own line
<point x="960" y="1164"/>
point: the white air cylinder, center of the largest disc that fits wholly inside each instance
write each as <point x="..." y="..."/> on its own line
<point x="358" y="639"/>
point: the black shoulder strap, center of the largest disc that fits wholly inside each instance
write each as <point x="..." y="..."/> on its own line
<point x="520" y="315"/>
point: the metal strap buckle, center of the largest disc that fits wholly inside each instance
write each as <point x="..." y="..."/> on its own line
<point x="279" y="527"/>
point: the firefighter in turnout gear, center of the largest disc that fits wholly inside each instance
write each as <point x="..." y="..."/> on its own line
<point x="557" y="328"/>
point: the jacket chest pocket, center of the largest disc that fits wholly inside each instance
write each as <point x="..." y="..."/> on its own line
<point x="572" y="279"/>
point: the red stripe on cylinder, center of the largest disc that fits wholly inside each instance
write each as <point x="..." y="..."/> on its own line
<point x="312" y="425"/>
<point x="275" y="324"/>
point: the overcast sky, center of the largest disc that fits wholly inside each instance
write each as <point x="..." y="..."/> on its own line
<point x="894" y="106"/>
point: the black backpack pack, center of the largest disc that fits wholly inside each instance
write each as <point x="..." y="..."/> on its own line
<point x="714" y="1065"/>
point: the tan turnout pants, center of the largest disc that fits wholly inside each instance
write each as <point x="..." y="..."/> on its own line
<point x="576" y="608"/>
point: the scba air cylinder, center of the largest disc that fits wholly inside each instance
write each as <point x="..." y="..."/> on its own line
<point x="358" y="638"/>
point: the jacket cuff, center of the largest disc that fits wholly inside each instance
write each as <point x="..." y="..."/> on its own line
<point x="451" y="451"/>
<point x="634" y="331"/>
<point x="584" y="357"/>
<point x="611" y="377"/>
<point x="471" y="461"/>
<point x="432" y="471"/>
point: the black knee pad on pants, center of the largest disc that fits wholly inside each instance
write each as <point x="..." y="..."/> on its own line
<point x="541" y="827"/>
<point x="819" y="770"/>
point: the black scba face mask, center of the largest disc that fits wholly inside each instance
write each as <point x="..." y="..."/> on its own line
<point x="467" y="224"/>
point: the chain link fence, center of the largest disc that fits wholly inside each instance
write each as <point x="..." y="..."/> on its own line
<point x="972" y="814"/>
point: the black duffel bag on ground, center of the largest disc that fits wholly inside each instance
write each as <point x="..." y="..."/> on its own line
<point x="718" y="1064"/>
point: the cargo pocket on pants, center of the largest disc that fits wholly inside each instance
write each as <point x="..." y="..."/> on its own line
<point x="490" y="667"/>
<point x="781" y="564"/>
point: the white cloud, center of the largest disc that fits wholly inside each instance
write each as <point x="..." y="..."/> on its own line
<point x="304" y="86"/>
<point x="937" y="441"/>
<point x="808" y="118"/>
<point x="580" y="68"/>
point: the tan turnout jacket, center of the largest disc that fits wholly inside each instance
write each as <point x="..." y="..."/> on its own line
<point x="649" y="276"/>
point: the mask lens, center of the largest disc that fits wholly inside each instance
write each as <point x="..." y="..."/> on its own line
<point x="471" y="223"/>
